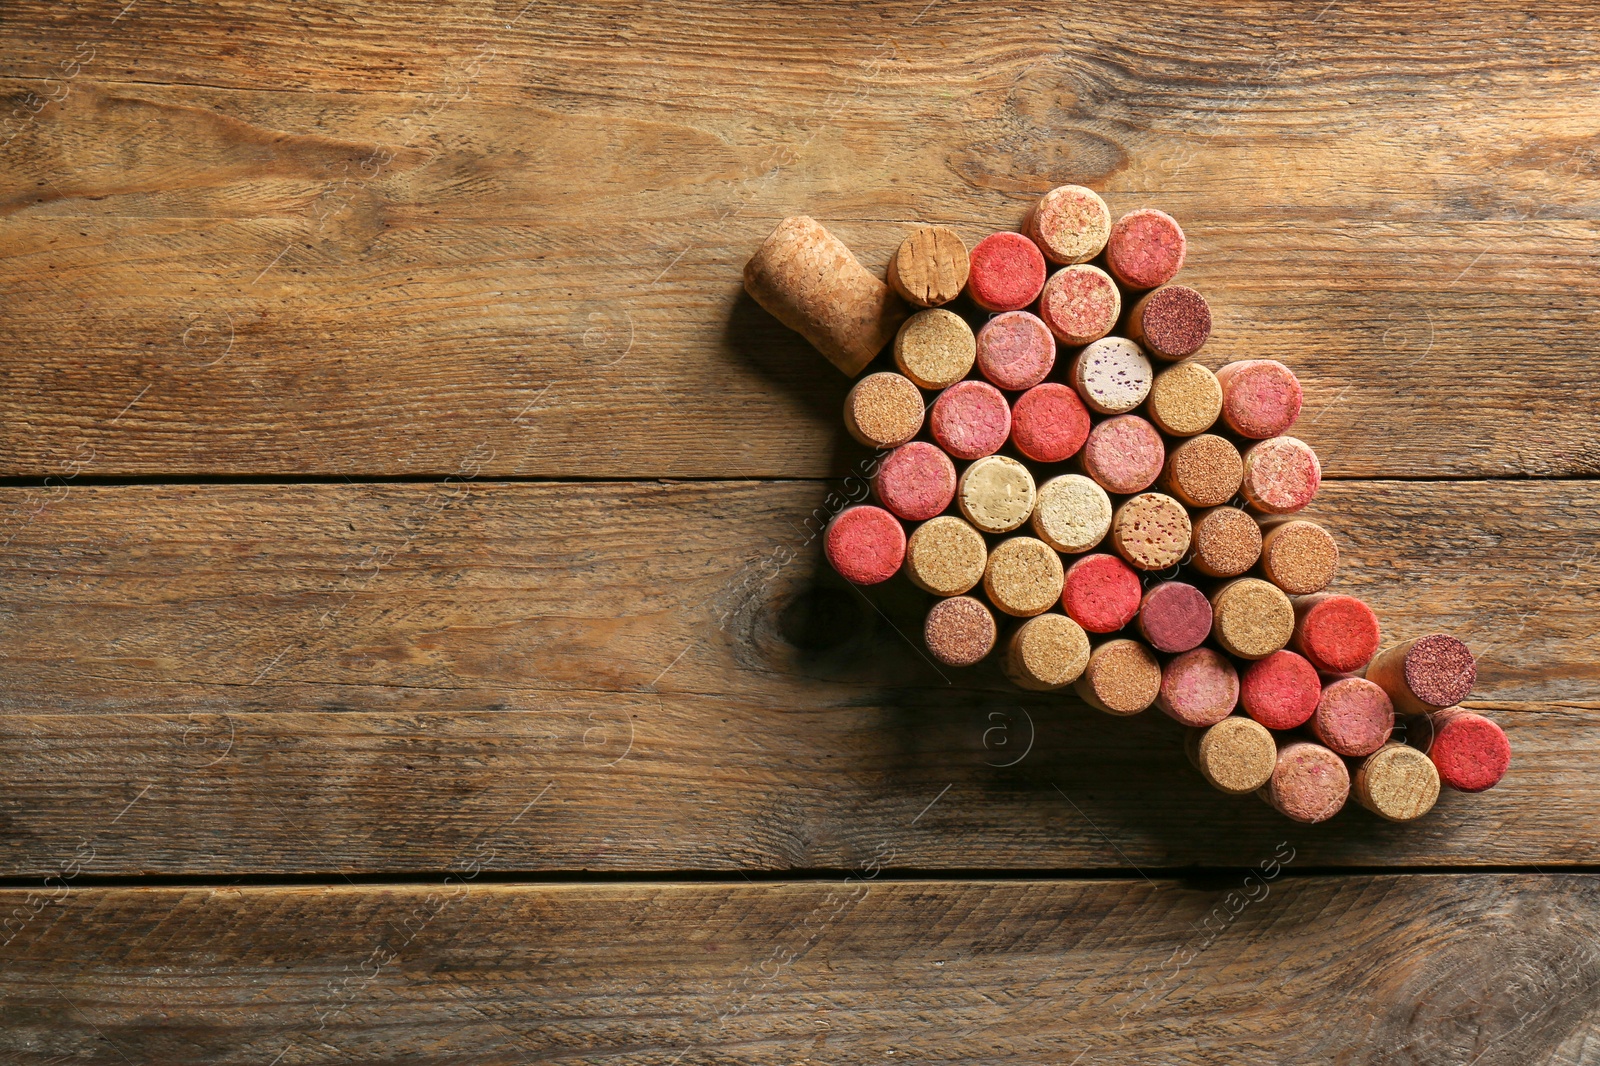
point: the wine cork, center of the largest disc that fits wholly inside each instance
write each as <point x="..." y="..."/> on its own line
<point x="1122" y="678"/>
<point x="996" y="494"/>
<point x="1227" y="542"/>
<point x="1298" y="556"/>
<point x="1280" y="691"/>
<point x="1080" y="304"/>
<point x="1397" y="782"/>
<point x="1309" y="783"/>
<point x="1048" y="651"/>
<point x="1101" y="593"/>
<point x="929" y="268"/>
<point x="1172" y="323"/>
<point x="1235" y="756"/>
<point x="1260" y="397"/>
<point x="1338" y="634"/>
<point x="970" y="419"/>
<point x="1072" y="513"/>
<point x="959" y="631"/>
<point x="1203" y="471"/>
<point x="1151" y="531"/>
<point x="883" y="410"/>
<point x="1200" y="687"/>
<point x="1070" y="224"/>
<point x="866" y="544"/>
<point x="1023" y="577"/>
<point x="1112" y="375"/>
<point x="1281" y="475"/>
<point x="1006" y="272"/>
<point x="946" y="556"/>
<point x="1470" y="752"/>
<point x="915" y="481"/>
<point x="1185" y="399"/>
<point x="1251" y="618"/>
<point x="935" y="348"/>
<point x="1174" y="617"/>
<point x="1426" y="674"/>
<point x="1123" y="454"/>
<point x="1049" y="423"/>
<point x="807" y="279"/>
<point x="1354" y="717"/>
<point x="1145" y="248"/>
<point x="1015" y="350"/>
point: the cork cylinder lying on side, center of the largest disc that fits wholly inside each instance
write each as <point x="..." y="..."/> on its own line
<point x="883" y="410"/>
<point x="935" y="348"/>
<point x="1070" y="224"/>
<point x="1251" y="618"/>
<point x="1048" y="651"/>
<point x="1309" y="783"/>
<point x="1203" y="471"/>
<point x="1171" y="323"/>
<point x="1298" y="556"/>
<point x="1184" y="400"/>
<point x="959" y="631"/>
<point x="1426" y="674"/>
<point x="1236" y="756"/>
<point x="1227" y="542"/>
<point x="1122" y="678"/>
<point x="1397" y="782"/>
<point x="1470" y="751"/>
<point x="807" y="279"/>
<point x="946" y="556"/>
<point x="930" y="267"/>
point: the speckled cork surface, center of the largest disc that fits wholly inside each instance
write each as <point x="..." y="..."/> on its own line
<point x="1072" y="514"/>
<point x="1151" y="531"/>
<point x="1227" y="542"/>
<point x="996" y="494"/>
<point x="1425" y="674"/>
<point x="1251" y="618"/>
<point x="1047" y="652"/>
<point x="1023" y="576"/>
<point x="930" y="266"/>
<point x="883" y="410"/>
<point x="1185" y="399"/>
<point x="1397" y="782"/>
<point x="946" y="556"/>
<point x="1070" y="224"/>
<point x="1235" y="756"/>
<point x="935" y="348"/>
<point x="959" y="631"/>
<point x="1298" y="556"/>
<point x="1171" y="323"/>
<point x="1203" y="471"/>
<point x="1123" y="677"/>
<point x="1112" y="375"/>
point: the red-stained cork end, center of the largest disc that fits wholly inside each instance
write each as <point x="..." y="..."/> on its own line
<point x="1124" y="454"/>
<point x="1281" y="475"/>
<point x="1172" y="323"/>
<point x="1280" y="691"/>
<point x="1080" y="304"/>
<point x="865" y="544"/>
<point x="1101" y="593"/>
<point x="1016" y="350"/>
<point x="959" y="631"/>
<point x="1146" y="248"/>
<point x="1354" y="717"/>
<point x="916" y="481"/>
<point x="1007" y="272"/>
<point x="1471" y="753"/>
<point x="971" y="419"/>
<point x="1339" y="634"/>
<point x="1309" y="783"/>
<point x="1049" y="423"/>
<point x="1175" y="617"/>
<point x="1199" y="688"/>
<point x="1260" y="397"/>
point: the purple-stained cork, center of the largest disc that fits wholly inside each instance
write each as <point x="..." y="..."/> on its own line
<point x="1426" y="674"/>
<point x="1175" y="617"/>
<point x="1172" y="322"/>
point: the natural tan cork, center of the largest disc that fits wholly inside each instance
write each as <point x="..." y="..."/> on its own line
<point x="1397" y="782"/>
<point x="1048" y="651"/>
<point x="1151" y="531"/>
<point x="1070" y="224"/>
<point x="1235" y="756"/>
<point x="1227" y="542"/>
<point x="883" y="410"/>
<point x="1251" y="618"/>
<point x="1123" y="677"/>
<point x="930" y="267"/>
<point x="1023" y="577"/>
<point x="945" y="556"/>
<point x="935" y="348"/>
<point x="1072" y="513"/>
<point x="996" y="494"/>
<point x="1203" y="471"/>
<point x="1298" y="556"/>
<point x="1184" y="400"/>
<point x="959" y="631"/>
<point x="807" y="279"/>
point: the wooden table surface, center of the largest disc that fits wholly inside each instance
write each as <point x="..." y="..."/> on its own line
<point x="414" y="641"/>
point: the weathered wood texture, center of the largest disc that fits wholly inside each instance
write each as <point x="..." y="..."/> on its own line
<point x="305" y="238"/>
<point x="341" y="678"/>
<point x="1404" y="971"/>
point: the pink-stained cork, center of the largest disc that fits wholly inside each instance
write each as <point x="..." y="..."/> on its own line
<point x="1260" y="397"/>
<point x="1113" y="375"/>
<point x="1471" y="752"/>
<point x="1309" y="783"/>
<point x="1007" y="272"/>
<point x="1354" y="717"/>
<point x="1200" y="687"/>
<point x="1175" y="617"/>
<point x="1101" y="593"/>
<point x="1070" y="224"/>
<point x="1280" y="691"/>
<point x="1171" y="323"/>
<point x="1281" y="475"/>
<point x="1338" y="634"/>
<point x="1015" y="350"/>
<point x="971" y="419"/>
<point x="865" y="544"/>
<point x="1145" y="249"/>
<point x="959" y="631"/>
<point x="1080" y="304"/>
<point x="1049" y="423"/>
<point x="1124" y="454"/>
<point x="1426" y="674"/>
<point x="916" y="481"/>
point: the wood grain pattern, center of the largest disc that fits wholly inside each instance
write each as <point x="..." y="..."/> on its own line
<point x="1406" y="971"/>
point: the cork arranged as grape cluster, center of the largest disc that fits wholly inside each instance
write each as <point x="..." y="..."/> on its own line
<point x="1082" y="497"/>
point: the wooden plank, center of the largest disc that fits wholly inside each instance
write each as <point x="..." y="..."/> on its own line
<point x="282" y="257"/>
<point x="1497" y="970"/>
<point x="664" y="676"/>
